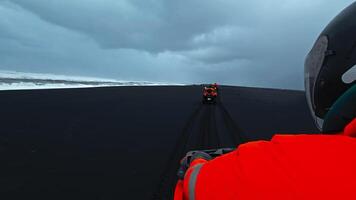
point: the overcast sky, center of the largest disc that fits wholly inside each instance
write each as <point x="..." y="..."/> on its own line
<point x="238" y="42"/>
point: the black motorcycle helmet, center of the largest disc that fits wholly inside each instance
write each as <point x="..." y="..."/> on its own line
<point x="330" y="73"/>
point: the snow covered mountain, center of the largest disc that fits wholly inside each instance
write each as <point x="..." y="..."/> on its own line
<point x="11" y="80"/>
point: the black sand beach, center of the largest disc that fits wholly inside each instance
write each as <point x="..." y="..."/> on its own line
<point x="126" y="142"/>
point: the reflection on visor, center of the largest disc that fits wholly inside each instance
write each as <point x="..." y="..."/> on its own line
<point x="350" y="75"/>
<point x="313" y="64"/>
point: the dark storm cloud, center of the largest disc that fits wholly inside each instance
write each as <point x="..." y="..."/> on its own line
<point x="146" y="25"/>
<point x="255" y="43"/>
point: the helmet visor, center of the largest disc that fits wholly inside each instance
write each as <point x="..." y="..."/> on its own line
<point x="313" y="64"/>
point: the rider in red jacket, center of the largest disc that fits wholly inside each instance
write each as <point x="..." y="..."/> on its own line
<point x="315" y="166"/>
<point x="287" y="167"/>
